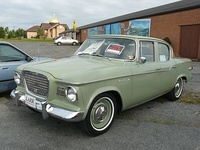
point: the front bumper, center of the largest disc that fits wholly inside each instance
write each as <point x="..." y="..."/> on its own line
<point x="47" y="109"/>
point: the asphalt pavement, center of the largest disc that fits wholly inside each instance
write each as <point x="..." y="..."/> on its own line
<point x="156" y="125"/>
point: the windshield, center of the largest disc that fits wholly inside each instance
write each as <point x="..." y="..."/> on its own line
<point x="116" y="48"/>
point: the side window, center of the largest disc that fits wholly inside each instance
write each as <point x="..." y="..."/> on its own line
<point x="9" y="53"/>
<point x="128" y="52"/>
<point x="147" y="50"/>
<point x="163" y="52"/>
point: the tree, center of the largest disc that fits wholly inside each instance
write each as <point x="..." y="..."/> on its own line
<point x="19" y="33"/>
<point x="11" y="34"/>
<point x="6" y="30"/>
<point x="2" y="32"/>
<point x="40" y="32"/>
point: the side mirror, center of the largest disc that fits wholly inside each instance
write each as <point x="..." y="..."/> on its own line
<point x="29" y="59"/>
<point x="142" y="60"/>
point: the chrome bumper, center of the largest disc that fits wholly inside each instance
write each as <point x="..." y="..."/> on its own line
<point x="48" y="109"/>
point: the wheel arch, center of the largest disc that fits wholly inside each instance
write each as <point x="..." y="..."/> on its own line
<point x="115" y="93"/>
<point x="118" y="99"/>
<point x="183" y="76"/>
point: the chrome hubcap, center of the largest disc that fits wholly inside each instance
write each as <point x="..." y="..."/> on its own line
<point x="178" y="88"/>
<point x="100" y="114"/>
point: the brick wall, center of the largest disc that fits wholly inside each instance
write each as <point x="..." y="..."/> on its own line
<point x="169" y="25"/>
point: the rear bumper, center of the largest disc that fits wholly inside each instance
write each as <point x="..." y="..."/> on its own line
<point x="47" y="109"/>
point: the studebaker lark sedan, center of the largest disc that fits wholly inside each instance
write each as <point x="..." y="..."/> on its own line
<point x="107" y="74"/>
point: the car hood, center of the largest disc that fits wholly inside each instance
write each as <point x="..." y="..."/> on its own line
<point x="40" y="59"/>
<point x="81" y="69"/>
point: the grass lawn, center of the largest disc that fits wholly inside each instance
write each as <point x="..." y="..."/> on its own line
<point x="27" y="40"/>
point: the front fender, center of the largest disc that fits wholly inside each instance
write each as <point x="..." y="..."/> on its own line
<point x="97" y="92"/>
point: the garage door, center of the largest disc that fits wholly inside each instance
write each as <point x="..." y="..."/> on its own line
<point x="190" y="41"/>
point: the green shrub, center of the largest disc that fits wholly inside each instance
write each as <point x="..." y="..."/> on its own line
<point x="167" y="40"/>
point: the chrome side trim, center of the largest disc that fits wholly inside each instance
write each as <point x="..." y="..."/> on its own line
<point x="105" y="79"/>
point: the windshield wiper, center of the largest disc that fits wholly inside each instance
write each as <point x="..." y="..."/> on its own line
<point x="84" y="53"/>
<point x="95" y="54"/>
<point x="99" y="55"/>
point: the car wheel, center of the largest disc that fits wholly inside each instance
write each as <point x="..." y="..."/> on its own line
<point x="58" y="43"/>
<point x="74" y="43"/>
<point x="100" y="115"/>
<point x="176" y="92"/>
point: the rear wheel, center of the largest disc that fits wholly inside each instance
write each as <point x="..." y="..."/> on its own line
<point x="176" y="92"/>
<point x="58" y="43"/>
<point x="100" y="115"/>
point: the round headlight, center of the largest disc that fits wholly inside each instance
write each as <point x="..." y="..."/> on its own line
<point x="70" y="93"/>
<point x="17" y="78"/>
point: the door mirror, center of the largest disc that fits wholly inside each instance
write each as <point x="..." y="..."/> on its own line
<point x="29" y="59"/>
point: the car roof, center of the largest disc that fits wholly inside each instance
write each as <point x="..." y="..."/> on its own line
<point x="124" y="36"/>
<point x="4" y="42"/>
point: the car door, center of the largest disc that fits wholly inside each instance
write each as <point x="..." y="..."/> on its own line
<point x="167" y="67"/>
<point x="68" y="40"/>
<point x="10" y="58"/>
<point x="145" y="76"/>
<point x="63" y="40"/>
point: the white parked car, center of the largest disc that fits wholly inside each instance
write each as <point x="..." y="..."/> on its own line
<point x="65" y="40"/>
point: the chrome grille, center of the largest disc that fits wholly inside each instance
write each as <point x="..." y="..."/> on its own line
<point x="36" y="83"/>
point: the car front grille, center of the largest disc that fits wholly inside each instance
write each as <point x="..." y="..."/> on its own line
<point x="36" y="83"/>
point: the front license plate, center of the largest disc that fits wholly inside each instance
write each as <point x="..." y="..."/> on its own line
<point x="30" y="101"/>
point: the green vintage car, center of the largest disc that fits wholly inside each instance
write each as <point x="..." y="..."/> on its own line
<point x="107" y="74"/>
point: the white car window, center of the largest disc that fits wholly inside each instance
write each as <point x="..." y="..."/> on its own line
<point x="147" y="50"/>
<point x="163" y="52"/>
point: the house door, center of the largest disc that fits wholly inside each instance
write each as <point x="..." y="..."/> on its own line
<point x="190" y="41"/>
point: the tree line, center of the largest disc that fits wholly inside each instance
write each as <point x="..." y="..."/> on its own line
<point x="6" y="33"/>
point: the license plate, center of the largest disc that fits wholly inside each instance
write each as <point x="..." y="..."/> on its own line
<point x="30" y="101"/>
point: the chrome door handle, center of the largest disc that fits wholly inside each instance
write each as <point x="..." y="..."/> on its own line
<point x="4" y="68"/>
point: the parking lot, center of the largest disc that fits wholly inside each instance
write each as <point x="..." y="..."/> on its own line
<point x="156" y="125"/>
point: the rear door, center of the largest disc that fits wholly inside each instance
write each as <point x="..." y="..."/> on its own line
<point x="69" y="40"/>
<point x="63" y="40"/>
<point x="167" y="67"/>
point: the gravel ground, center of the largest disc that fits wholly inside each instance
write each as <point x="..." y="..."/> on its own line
<point x="194" y="84"/>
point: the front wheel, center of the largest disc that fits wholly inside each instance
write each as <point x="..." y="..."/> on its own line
<point x="100" y="115"/>
<point x="176" y="92"/>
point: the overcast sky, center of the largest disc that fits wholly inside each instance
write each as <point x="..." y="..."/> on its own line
<point x="27" y="13"/>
